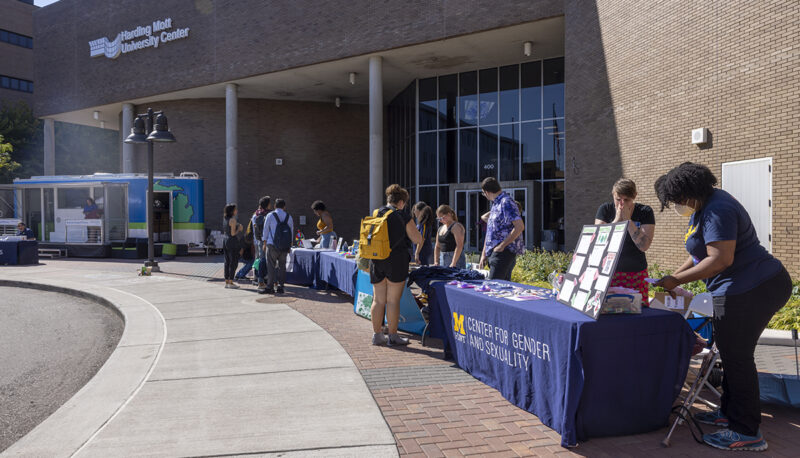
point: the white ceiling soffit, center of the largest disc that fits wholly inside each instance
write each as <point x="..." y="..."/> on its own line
<point x="325" y="81"/>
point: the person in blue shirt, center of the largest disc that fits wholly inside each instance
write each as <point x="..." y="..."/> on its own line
<point x="23" y="230"/>
<point x="278" y="235"/>
<point x="426" y="225"/>
<point x="748" y="286"/>
<point x="90" y="210"/>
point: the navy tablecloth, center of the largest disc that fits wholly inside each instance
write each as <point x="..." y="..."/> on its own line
<point x="19" y="252"/>
<point x="338" y="272"/>
<point x="618" y="375"/>
<point x="305" y="269"/>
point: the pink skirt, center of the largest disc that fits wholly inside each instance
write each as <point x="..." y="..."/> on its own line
<point x="633" y="280"/>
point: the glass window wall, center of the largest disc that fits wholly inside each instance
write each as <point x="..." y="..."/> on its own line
<point x="505" y="122"/>
<point x="468" y="99"/>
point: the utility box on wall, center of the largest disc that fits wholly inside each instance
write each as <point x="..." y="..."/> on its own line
<point x="699" y="136"/>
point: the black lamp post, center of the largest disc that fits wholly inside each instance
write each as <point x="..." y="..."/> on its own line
<point x="158" y="133"/>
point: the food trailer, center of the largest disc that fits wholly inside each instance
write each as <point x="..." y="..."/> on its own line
<point x="55" y="207"/>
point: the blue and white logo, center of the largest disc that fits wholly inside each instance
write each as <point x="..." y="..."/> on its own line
<point x="143" y="36"/>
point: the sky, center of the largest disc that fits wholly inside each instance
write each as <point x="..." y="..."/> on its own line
<point x="43" y="2"/>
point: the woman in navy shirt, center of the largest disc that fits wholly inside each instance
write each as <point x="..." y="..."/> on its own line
<point x="748" y="286"/>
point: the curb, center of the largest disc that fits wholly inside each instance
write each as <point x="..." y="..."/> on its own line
<point x="71" y="292"/>
<point x="73" y="425"/>
<point x="776" y="337"/>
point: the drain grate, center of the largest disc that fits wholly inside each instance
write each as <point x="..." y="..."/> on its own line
<point x="276" y="300"/>
<point x="410" y="376"/>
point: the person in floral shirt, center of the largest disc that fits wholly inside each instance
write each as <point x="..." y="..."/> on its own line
<point x="503" y="232"/>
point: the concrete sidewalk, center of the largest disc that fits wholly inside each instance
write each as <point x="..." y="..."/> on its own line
<point x="204" y="371"/>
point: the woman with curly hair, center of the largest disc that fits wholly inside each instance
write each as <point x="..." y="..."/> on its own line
<point x="748" y="286"/>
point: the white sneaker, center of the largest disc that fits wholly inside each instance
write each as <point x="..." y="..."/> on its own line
<point x="379" y="339"/>
<point x="396" y="340"/>
<point x="227" y="285"/>
<point x="233" y="286"/>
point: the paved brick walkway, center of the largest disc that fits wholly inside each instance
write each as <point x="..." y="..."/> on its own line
<point x="435" y="409"/>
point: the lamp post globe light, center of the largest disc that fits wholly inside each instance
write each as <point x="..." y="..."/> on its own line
<point x="159" y="132"/>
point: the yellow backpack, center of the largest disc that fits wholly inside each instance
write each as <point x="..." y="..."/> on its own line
<point x="373" y="242"/>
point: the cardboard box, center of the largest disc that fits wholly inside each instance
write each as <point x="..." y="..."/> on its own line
<point x="664" y="301"/>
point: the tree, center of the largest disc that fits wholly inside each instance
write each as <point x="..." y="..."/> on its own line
<point x="79" y="149"/>
<point x="6" y="164"/>
<point x="24" y="133"/>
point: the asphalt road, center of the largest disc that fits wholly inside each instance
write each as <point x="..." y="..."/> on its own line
<point x="51" y="344"/>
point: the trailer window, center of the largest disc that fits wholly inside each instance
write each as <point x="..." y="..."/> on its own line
<point x="73" y="197"/>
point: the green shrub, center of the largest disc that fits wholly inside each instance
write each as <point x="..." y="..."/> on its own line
<point x="788" y="317"/>
<point x="655" y="271"/>
<point x="534" y="266"/>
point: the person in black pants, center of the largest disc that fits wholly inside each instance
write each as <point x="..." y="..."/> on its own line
<point x="231" y="228"/>
<point x="748" y="286"/>
<point x="504" y="228"/>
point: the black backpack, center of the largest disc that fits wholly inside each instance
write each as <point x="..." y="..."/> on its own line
<point x="259" y="228"/>
<point x="282" y="237"/>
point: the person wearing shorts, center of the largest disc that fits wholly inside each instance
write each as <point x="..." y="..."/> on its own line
<point x="388" y="276"/>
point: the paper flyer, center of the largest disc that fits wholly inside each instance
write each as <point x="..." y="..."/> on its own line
<point x="588" y="278"/>
<point x="566" y="291"/>
<point x="577" y="265"/>
<point x="608" y="263"/>
<point x="583" y="245"/>
<point x="616" y="241"/>
<point x="597" y="256"/>
<point x="602" y="236"/>
<point x="602" y="282"/>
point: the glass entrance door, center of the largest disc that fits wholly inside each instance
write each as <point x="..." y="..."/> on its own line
<point x="471" y="204"/>
<point x="116" y="212"/>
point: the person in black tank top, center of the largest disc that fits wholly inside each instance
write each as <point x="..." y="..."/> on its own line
<point x="449" y="249"/>
<point x="426" y="225"/>
<point x="231" y="228"/>
<point x="388" y="276"/>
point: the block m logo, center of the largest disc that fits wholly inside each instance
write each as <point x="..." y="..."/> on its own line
<point x="458" y="323"/>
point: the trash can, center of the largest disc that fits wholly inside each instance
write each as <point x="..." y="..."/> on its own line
<point x="168" y="250"/>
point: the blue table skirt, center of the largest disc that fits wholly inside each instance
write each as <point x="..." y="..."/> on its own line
<point x="338" y="272"/>
<point x="305" y="269"/>
<point x="19" y="252"/>
<point x="618" y="375"/>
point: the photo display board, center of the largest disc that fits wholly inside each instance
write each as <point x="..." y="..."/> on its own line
<point x="593" y="265"/>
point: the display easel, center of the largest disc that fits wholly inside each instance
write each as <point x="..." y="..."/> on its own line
<point x="592" y="268"/>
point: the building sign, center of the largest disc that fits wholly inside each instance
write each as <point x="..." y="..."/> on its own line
<point x="142" y="37"/>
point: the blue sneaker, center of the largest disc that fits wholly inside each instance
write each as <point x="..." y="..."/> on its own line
<point x="714" y="418"/>
<point x="725" y="439"/>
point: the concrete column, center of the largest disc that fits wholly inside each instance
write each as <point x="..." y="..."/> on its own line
<point x="375" y="132"/>
<point x="49" y="147"/>
<point x="128" y="151"/>
<point x="231" y="153"/>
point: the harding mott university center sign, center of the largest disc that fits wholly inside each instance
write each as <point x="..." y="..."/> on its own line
<point x="142" y="37"/>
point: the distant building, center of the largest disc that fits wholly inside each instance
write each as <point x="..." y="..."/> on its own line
<point x="334" y="100"/>
<point x="16" y="51"/>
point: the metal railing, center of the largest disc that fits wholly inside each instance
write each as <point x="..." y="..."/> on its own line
<point x="88" y="231"/>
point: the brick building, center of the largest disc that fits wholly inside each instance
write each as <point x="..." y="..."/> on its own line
<point x="557" y="98"/>
<point x="16" y="51"/>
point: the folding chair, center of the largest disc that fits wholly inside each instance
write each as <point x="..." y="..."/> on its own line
<point x="703" y="305"/>
<point x="710" y="358"/>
